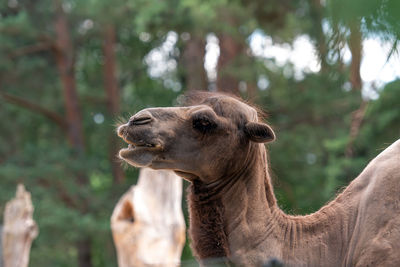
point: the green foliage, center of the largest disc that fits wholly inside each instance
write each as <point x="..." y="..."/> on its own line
<point x="377" y="17"/>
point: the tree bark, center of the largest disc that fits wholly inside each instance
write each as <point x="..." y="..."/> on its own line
<point x="19" y="229"/>
<point x="230" y="50"/>
<point x="116" y="168"/>
<point x="65" y="59"/>
<point x="84" y="252"/>
<point x="110" y="77"/>
<point x="357" y="118"/>
<point x="1" y="245"/>
<point x="147" y="223"/>
<point x="316" y="12"/>
<point x="355" y="44"/>
<point x="193" y="62"/>
<point x="112" y="92"/>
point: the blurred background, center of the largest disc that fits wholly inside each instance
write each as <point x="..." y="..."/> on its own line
<point x="326" y="72"/>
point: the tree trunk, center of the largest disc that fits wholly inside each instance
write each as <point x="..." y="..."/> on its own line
<point x="112" y="92"/>
<point x="193" y="62"/>
<point x="84" y="252"/>
<point x="19" y="229"/>
<point x="110" y="78"/>
<point x="316" y="10"/>
<point x="65" y="59"/>
<point x="230" y="50"/>
<point x="1" y="245"/>
<point x="147" y="223"/>
<point x="116" y="168"/>
<point x="355" y="44"/>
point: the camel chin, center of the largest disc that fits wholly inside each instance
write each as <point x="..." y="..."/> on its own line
<point x="186" y="175"/>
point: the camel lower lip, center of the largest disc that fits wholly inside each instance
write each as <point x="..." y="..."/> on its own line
<point x="132" y="147"/>
<point x="139" y="156"/>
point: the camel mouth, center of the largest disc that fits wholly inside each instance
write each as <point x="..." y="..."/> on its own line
<point x="144" y="145"/>
<point x="140" y="153"/>
<point x="141" y="144"/>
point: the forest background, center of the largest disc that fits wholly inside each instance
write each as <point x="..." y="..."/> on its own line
<point x="69" y="69"/>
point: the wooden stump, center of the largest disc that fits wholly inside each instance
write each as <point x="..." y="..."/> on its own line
<point x="1" y="246"/>
<point x="147" y="223"/>
<point x="19" y="229"/>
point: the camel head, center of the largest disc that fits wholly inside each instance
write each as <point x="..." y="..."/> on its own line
<point x="206" y="139"/>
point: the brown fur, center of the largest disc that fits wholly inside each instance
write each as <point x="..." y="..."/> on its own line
<point x="207" y="229"/>
<point x="216" y="143"/>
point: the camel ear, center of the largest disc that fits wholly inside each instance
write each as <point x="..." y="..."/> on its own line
<point x="259" y="132"/>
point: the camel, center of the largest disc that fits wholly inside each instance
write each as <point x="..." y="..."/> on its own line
<point x="217" y="142"/>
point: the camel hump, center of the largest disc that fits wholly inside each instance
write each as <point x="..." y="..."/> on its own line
<point x="382" y="171"/>
<point x="395" y="148"/>
<point x="376" y="235"/>
<point x="390" y="157"/>
<point x="381" y="176"/>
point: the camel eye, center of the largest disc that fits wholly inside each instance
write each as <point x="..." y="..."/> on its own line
<point x="203" y="124"/>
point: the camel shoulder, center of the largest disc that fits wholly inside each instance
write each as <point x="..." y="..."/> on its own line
<point x="376" y="234"/>
<point x="388" y="160"/>
<point x="384" y="169"/>
<point x="392" y="151"/>
<point x="382" y="175"/>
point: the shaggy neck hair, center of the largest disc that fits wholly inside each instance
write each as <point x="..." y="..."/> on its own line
<point x="207" y="230"/>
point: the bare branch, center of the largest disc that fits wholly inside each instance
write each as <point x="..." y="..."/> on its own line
<point x="30" y="49"/>
<point x="53" y="116"/>
<point x="357" y="119"/>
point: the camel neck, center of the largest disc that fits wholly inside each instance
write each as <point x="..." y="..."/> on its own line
<point x="250" y="206"/>
<point x="241" y="221"/>
<point x="214" y="208"/>
<point x="254" y="224"/>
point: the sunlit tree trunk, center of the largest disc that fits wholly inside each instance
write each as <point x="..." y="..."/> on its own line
<point x="19" y="229"/>
<point x="147" y="223"/>
<point x="1" y="245"/>
<point x="193" y="63"/>
<point x="112" y="92"/>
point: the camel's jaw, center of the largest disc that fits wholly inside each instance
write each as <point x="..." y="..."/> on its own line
<point x="141" y="151"/>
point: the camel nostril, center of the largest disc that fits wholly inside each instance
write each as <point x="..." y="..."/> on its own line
<point x="121" y="130"/>
<point x="140" y="120"/>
